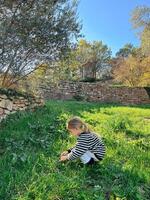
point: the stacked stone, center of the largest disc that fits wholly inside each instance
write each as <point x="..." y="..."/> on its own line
<point x="96" y="92"/>
<point x="12" y="104"/>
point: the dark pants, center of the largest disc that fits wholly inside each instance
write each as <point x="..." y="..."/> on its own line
<point x="92" y="161"/>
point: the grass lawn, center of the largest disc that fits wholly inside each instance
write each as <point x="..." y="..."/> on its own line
<point x="31" y="143"/>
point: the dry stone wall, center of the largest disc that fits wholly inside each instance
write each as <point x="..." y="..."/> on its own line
<point x="10" y="104"/>
<point x="97" y="92"/>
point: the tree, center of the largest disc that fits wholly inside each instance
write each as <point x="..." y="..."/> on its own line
<point x="91" y="58"/>
<point x="145" y="41"/>
<point x="141" y="21"/>
<point x="32" y="82"/>
<point x="32" y="32"/>
<point x="121" y="60"/>
<point x="133" y="71"/>
<point x="83" y="56"/>
<point x="125" y="51"/>
<point x="101" y="56"/>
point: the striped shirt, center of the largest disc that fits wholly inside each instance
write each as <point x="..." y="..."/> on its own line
<point x="88" y="142"/>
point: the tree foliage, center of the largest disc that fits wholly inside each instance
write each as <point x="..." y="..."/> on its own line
<point x="87" y="59"/>
<point x="133" y="71"/>
<point x="141" y="21"/>
<point x="126" y="50"/>
<point x="34" y="31"/>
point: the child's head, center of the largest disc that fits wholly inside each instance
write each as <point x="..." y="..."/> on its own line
<point x="76" y="126"/>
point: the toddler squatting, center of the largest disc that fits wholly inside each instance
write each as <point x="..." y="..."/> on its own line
<point x="89" y="147"/>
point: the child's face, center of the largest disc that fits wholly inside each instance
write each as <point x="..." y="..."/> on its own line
<point x="75" y="131"/>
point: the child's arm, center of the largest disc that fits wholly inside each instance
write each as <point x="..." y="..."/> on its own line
<point x="64" y="155"/>
<point x="80" y="148"/>
<point x="69" y="150"/>
<point x="66" y="152"/>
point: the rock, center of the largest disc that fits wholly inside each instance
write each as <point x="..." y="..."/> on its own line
<point x="21" y="105"/>
<point x="3" y="96"/>
<point x="2" y="104"/>
<point x="6" y="111"/>
<point x="13" y="104"/>
<point x="22" y="108"/>
<point x="6" y="104"/>
<point x="9" y="104"/>
<point x="1" y="111"/>
<point x="15" y="107"/>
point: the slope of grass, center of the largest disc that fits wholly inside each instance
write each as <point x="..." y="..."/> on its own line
<point x="31" y="142"/>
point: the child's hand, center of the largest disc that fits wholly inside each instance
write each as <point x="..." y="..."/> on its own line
<point x="64" y="153"/>
<point x="63" y="157"/>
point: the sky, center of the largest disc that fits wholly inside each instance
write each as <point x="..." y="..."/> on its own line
<point x="109" y="21"/>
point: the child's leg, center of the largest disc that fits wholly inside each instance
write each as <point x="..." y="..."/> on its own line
<point x="91" y="162"/>
<point x="87" y="157"/>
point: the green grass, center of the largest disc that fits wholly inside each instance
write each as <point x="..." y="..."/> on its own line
<point x="31" y="143"/>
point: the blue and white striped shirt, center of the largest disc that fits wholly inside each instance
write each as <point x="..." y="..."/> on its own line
<point x="87" y="141"/>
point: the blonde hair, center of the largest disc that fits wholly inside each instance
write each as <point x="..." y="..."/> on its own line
<point x="77" y="123"/>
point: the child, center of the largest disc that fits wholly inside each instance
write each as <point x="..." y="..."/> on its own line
<point x="89" y="148"/>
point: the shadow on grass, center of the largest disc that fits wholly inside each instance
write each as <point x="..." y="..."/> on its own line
<point x="115" y="182"/>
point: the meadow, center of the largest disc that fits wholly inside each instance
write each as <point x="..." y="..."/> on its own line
<point x="31" y="143"/>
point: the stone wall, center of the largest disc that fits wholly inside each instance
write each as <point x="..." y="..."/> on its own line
<point x="97" y="92"/>
<point x="12" y="103"/>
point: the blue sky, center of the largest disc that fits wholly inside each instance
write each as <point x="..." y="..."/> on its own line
<point x="109" y="21"/>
